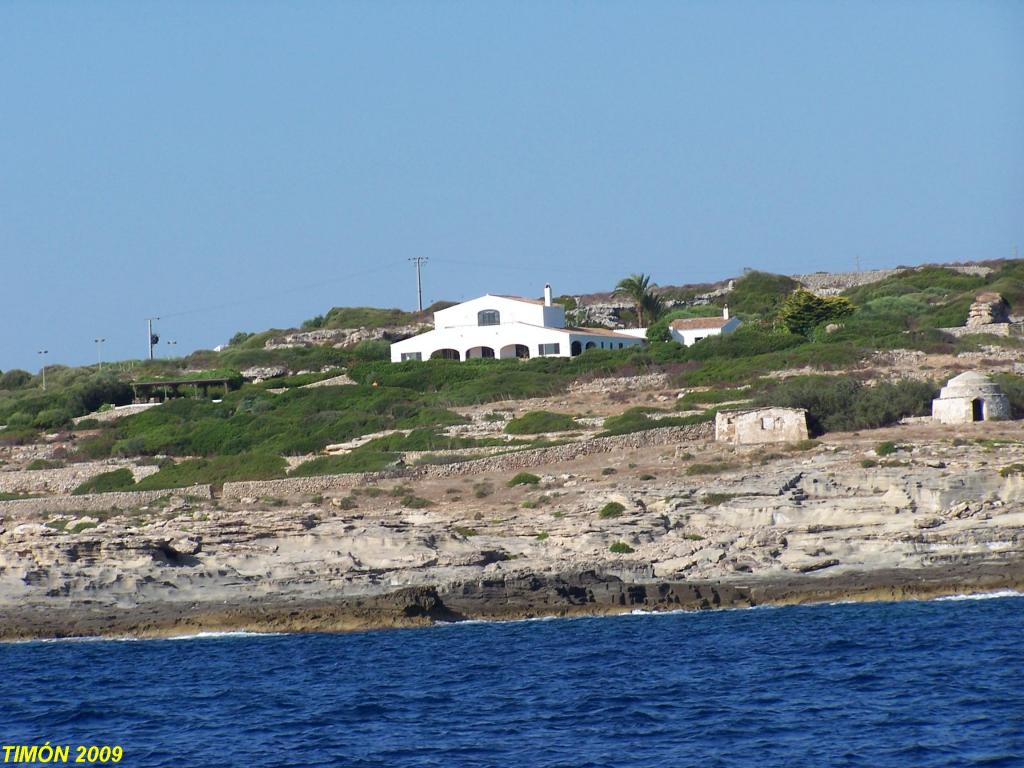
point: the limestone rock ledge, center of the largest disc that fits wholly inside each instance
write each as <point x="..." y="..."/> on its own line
<point x="939" y="521"/>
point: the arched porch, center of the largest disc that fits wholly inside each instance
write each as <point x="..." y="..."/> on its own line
<point x="510" y="351"/>
<point x="445" y="354"/>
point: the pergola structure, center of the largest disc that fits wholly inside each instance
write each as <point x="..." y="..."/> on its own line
<point x="159" y="391"/>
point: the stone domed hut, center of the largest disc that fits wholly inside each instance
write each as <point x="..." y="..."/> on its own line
<point x="970" y="397"/>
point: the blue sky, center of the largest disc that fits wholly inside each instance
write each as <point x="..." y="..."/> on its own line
<point x="239" y="166"/>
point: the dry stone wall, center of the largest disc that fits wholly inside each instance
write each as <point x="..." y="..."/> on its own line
<point x="509" y="462"/>
<point x="992" y="329"/>
<point x="64" y="479"/>
<point x="832" y="283"/>
<point x="98" y="502"/>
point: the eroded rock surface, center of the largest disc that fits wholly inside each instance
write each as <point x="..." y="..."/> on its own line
<point x="753" y="525"/>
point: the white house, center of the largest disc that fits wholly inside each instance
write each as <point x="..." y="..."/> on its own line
<point x="505" y="327"/>
<point x="690" y="330"/>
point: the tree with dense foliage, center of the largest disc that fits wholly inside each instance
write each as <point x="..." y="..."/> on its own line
<point x="804" y="311"/>
<point x="15" y="379"/>
<point x="760" y="294"/>
<point x="636" y="288"/>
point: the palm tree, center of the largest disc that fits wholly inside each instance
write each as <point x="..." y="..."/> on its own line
<point x="654" y="307"/>
<point x="636" y="288"/>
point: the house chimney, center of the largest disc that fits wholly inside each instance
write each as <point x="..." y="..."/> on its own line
<point x="725" y="312"/>
<point x="547" y="295"/>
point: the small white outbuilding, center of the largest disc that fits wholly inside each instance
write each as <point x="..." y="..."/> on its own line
<point x="970" y="397"/>
<point x="688" y="331"/>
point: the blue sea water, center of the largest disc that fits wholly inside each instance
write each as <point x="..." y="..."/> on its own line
<point x="887" y="684"/>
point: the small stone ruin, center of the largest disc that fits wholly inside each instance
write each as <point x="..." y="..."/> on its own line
<point x="988" y="308"/>
<point x="970" y="397"/>
<point x="761" y="425"/>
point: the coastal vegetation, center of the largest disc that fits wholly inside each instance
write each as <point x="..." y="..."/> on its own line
<point x="537" y="422"/>
<point x="611" y="510"/>
<point x="246" y="434"/>
<point x="524" y="478"/>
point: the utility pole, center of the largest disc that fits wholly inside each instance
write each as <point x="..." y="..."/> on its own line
<point x="418" y="261"/>
<point x="44" y="352"/>
<point x="99" y="353"/>
<point x="152" y="340"/>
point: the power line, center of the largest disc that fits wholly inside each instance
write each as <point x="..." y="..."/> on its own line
<point x="283" y="291"/>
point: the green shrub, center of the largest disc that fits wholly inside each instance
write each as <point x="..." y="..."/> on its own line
<point x="1013" y="387"/>
<point x="416" y="502"/>
<point x="465" y="531"/>
<point x="51" y="418"/>
<point x="359" y="460"/>
<point x="760" y="294"/>
<point x="536" y="422"/>
<point x="840" y="403"/>
<point x="216" y="471"/>
<point x="133" y="446"/>
<point x="1012" y="470"/>
<point x="483" y="490"/>
<point x="621" y="548"/>
<point x="609" y="471"/>
<point x="116" y="480"/>
<point x="708" y="469"/>
<point x="637" y="420"/>
<point x="523" y="478"/>
<point x="18" y="436"/>
<point x="542" y="536"/>
<point x="611" y="510"/>
<point x="887" y="448"/>
<point x="45" y="464"/>
<point x="364" y="317"/>
<point x="868" y="463"/>
<point x="15" y="379"/>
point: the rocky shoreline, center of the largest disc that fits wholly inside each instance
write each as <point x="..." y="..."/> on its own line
<point x="571" y="595"/>
<point x="651" y="528"/>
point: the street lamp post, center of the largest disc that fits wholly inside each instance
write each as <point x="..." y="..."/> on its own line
<point x="152" y="338"/>
<point x="99" y="353"/>
<point x="44" y="352"/>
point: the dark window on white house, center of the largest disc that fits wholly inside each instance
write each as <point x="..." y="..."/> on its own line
<point x="548" y="349"/>
<point x="412" y="356"/>
<point x="488" y="317"/>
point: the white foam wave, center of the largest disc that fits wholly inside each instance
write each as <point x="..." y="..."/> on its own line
<point x="981" y="596"/>
<point x="222" y="635"/>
